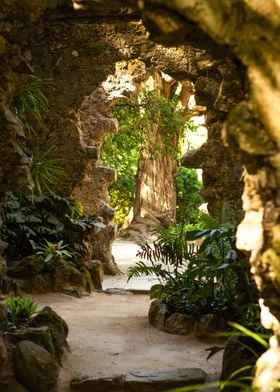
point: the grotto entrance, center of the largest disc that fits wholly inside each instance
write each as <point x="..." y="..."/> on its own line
<point x="213" y="80"/>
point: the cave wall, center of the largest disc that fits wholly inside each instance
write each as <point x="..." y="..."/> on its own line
<point x="219" y="87"/>
<point x="49" y="39"/>
<point x="79" y="53"/>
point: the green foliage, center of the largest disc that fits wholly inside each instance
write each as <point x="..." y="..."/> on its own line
<point x="29" y="106"/>
<point x="120" y="150"/>
<point x="28" y="220"/>
<point x="163" y="112"/>
<point x="30" y="102"/>
<point x="187" y="194"/>
<point x="212" y="278"/>
<point x="19" y="310"/>
<point x="52" y="251"/>
<point x="46" y="171"/>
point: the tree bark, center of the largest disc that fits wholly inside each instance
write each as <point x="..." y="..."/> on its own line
<point x="155" y="193"/>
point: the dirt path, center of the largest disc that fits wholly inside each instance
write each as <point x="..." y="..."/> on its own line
<point x="110" y="334"/>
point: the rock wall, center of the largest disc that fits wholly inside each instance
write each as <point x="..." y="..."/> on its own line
<point x="79" y="54"/>
<point x="220" y="88"/>
<point x="78" y="51"/>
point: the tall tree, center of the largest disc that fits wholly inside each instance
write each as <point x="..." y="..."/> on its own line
<point x="155" y="193"/>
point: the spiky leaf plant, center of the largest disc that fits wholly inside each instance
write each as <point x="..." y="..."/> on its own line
<point x="30" y="103"/>
<point x="46" y="170"/>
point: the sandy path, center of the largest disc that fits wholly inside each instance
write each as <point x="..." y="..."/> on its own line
<point x="110" y="334"/>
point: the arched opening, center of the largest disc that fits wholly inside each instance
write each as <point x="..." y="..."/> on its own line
<point x="62" y="50"/>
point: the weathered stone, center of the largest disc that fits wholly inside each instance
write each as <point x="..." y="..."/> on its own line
<point x="39" y="335"/>
<point x="35" y="367"/>
<point x="59" y="329"/>
<point x="39" y="283"/>
<point x="180" y="324"/>
<point x="115" y="291"/>
<point x="29" y="265"/>
<point x="209" y="325"/>
<point x="158" y="314"/>
<point x="96" y="272"/>
<point x="140" y="381"/>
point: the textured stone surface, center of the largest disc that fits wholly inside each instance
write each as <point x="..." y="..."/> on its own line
<point x="39" y="335"/>
<point x="158" y="314"/>
<point x="179" y="324"/>
<point x="30" y="265"/>
<point x="140" y="381"/>
<point x="35" y="367"/>
<point x="96" y="271"/>
<point x="47" y="317"/>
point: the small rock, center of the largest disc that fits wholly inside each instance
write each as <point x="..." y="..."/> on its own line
<point x="208" y="326"/>
<point x="158" y="314"/>
<point x="115" y="291"/>
<point x="180" y="324"/>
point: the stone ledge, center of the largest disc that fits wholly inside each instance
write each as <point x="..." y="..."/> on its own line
<point x="139" y="381"/>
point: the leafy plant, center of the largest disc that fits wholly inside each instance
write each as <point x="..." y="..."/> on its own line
<point x="20" y="310"/>
<point x="52" y="251"/>
<point x="121" y="149"/>
<point x="28" y="220"/>
<point x="30" y="102"/>
<point x="46" y="171"/>
<point x="187" y="195"/>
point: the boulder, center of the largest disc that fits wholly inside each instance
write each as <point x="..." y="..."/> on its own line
<point x="65" y="276"/>
<point x="96" y="271"/>
<point x="35" y="367"/>
<point x="158" y="314"/>
<point x="139" y="381"/>
<point x="29" y="265"/>
<point x="59" y="329"/>
<point x="39" y="335"/>
<point x="179" y="324"/>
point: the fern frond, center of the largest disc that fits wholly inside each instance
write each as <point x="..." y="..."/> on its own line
<point x="142" y="269"/>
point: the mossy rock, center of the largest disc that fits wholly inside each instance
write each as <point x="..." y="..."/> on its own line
<point x="29" y="265"/>
<point x="158" y="314"/>
<point x="39" y="335"/>
<point x="35" y="367"/>
<point x="179" y="324"/>
<point x="209" y="326"/>
<point x="59" y="329"/>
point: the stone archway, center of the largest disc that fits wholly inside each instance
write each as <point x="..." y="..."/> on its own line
<point x="252" y="127"/>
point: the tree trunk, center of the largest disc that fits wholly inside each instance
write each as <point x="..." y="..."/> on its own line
<point x="154" y="201"/>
